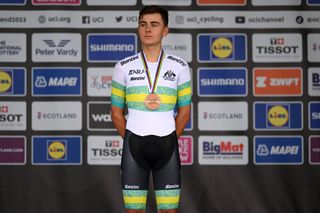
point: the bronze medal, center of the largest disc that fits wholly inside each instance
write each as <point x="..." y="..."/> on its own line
<point x="152" y="101"/>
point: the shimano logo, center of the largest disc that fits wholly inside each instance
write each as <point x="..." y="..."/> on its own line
<point x="223" y="82"/>
<point x="112" y="47"/>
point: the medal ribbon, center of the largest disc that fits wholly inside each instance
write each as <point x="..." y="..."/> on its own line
<point x="144" y="61"/>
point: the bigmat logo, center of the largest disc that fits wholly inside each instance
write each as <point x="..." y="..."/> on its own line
<point x="313" y="47"/>
<point x="314" y="115"/>
<point x="186" y="149"/>
<point x="13" y="47"/>
<point x="276" y="2"/>
<point x="112" y="2"/>
<point x="313" y="2"/>
<point x="223" y="150"/>
<point x="99" y="81"/>
<point x="57" y="2"/>
<point x="13" y="116"/>
<point x="56" y="47"/>
<point x="56" y="82"/>
<point x="218" y="116"/>
<point x="99" y="116"/>
<point x="282" y="116"/>
<point x="314" y="149"/>
<point x="104" y="150"/>
<point x="59" y="115"/>
<point x="13" y="150"/>
<point x="221" y="2"/>
<point x="222" y="48"/>
<point x="110" y="47"/>
<point x="277" y="81"/>
<point x="222" y="82"/>
<point x="314" y="81"/>
<point x="270" y="150"/>
<point x="12" y="81"/>
<point x="277" y="47"/>
<point x="56" y="150"/>
<point x="12" y="2"/>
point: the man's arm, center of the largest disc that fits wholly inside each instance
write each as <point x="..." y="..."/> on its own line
<point x="118" y="119"/>
<point x="182" y="119"/>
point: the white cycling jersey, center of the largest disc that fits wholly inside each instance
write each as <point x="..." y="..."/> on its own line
<point x="130" y="86"/>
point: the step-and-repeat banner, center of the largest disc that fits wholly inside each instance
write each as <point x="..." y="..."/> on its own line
<point x="251" y="145"/>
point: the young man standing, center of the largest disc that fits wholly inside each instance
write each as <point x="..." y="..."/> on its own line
<point x="152" y="83"/>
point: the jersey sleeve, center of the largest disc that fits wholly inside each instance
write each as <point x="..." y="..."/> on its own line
<point x="184" y="87"/>
<point x="118" y="88"/>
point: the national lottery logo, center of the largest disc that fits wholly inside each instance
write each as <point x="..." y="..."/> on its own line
<point x="222" y="48"/>
<point x="57" y="150"/>
<point x="278" y="116"/>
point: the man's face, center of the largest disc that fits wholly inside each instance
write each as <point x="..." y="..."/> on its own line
<point x="151" y="29"/>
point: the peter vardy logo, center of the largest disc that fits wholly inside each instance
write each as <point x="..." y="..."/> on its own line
<point x="56" y="81"/>
<point x="314" y="115"/>
<point x="12" y="81"/>
<point x="110" y="47"/>
<point x="222" y="82"/>
<point x="56" y="150"/>
<point x="278" y="150"/>
<point x="12" y="2"/>
<point x="222" y="48"/>
<point x="281" y="116"/>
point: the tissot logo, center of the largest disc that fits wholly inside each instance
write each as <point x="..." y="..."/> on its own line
<point x="12" y="115"/>
<point x="99" y="116"/>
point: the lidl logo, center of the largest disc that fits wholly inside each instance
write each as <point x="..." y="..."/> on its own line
<point x="277" y="81"/>
<point x="313" y="2"/>
<point x="278" y="116"/>
<point x="222" y="82"/>
<point x="56" y="150"/>
<point x="12" y="82"/>
<point x="13" y="2"/>
<point x="221" y="2"/>
<point x="110" y="47"/>
<point x="314" y="115"/>
<point x="278" y="150"/>
<point x="222" y="48"/>
<point x="56" y="81"/>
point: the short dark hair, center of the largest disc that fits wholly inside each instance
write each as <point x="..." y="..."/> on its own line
<point x="155" y="9"/>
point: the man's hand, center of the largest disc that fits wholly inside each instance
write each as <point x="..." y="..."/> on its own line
<point x="119" y="120"/>
<point x="182" y="119"/>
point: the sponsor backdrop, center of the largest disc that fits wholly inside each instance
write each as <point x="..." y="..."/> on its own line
<point x="251" y="145"/>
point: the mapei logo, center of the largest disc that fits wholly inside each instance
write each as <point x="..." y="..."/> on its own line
<point x="110" y="47"/>
<point x="56" y="150"/>
<point x="222" y="48"/>
<point x="222" y="82"/>
<point x="278" y="150"/>
<point x="278" y="116"/>
<point x="222" y="2"/>
<point x="313" y="2"/>
<point x="314" y="115"/>
<point x="277" y="47"/>
<point x="277" y="81"/>
<point x="314" y="81"/>
<point x="12" y="2"/>
<point x="12" y="81"/>
<point x="56" y="82"/>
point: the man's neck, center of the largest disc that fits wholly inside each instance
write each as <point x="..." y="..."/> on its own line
<point x="152" y="53"/>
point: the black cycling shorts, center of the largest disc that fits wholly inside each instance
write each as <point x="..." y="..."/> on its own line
<point x="142" y="155"/>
